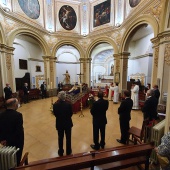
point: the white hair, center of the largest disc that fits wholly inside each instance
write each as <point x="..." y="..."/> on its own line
<point x="62" y="95"/>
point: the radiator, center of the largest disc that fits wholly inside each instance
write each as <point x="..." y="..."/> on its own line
<point x="8" y="157"/>
<point x="156" y="135"/>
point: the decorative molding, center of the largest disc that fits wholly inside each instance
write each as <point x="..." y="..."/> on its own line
<point x="156" y="56"/>
<point x="8" y="61"/>
<point x="141" y="56"/>
<point x="155" y="10"/>
<point x="167" y="54"/>
<point x="34" y="59"/>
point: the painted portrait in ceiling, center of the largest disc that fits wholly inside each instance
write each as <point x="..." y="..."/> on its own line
<point x="30" y="7"/>
<point x="134" y="3"/>
<point x="67" y="17"/>
<point x="101" y="13"/>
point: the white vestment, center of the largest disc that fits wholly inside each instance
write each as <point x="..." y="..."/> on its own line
<point x="116" y="94"/>
<point x="135" y="97"/>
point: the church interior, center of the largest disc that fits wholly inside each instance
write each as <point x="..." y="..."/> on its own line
<point x="95" y="42"/>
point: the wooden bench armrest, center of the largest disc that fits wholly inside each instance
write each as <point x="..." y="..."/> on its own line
<point x="24" y="160"/>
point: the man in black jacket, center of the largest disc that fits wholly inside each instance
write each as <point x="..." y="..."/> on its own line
<point x="98" y="112"/>
<point x="8" y="91"/>
<point x="44" y="90"/>
<point x="150" y="106"/>
<point x="63" y="113"/>
<point x="124" y="116"/>
<point x="11" y="127"/>
<point x="26" y="93"/>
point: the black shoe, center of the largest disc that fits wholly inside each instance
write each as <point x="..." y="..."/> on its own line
<point x="69" y="153"/>
<point x="94" y="147"/>
<point x="102" y="146"/>
<point x="60" y="153"/>
<point x="120" y="141"/>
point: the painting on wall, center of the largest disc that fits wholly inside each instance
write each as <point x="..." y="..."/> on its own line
<point x="67" y="17"/>
<point x="30" y="7"/>
<point x="102" y="13"/>
<point x="134" y="3"/>
<point x="22" y="64"/>
<point x="38" y="68"/>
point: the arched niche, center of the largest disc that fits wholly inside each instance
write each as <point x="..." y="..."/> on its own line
<point x="67" y="60"/>
<point x="102" y="65"/>
<point x="28" y="59"/>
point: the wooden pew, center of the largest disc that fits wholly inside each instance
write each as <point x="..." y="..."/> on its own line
<point x="112" y="158"/>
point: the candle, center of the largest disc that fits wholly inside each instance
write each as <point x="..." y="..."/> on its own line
<point x="51" y="85"/>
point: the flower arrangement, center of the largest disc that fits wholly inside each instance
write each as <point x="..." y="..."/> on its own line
<point x="90" y="100"/>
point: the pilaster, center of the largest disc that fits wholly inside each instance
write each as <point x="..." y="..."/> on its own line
<point x="7" y="66"/>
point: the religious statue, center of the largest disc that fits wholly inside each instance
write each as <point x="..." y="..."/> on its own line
<point x="67" y="77"/>
<point x="112" y="70"/>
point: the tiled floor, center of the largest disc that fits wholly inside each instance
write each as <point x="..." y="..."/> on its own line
<point x="41" y="135"/>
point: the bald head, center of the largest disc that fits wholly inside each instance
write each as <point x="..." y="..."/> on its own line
<point x="12" y="103"/>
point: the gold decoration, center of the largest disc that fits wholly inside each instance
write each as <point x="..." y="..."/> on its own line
<point x="167" y="54"/>
<point x="156" y="56"/>
<point x="155" y="11"/>
<point x="37" y="79"/>
<point x="140" y="76"/>
<point x="8" y="61"/>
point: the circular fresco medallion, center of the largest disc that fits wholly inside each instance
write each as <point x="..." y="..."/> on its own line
<point x="30" y="7"/>
<point x="134" y="3"/>
<point x="67" y="17"/>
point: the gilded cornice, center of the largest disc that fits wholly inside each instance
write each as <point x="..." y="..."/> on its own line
<point x="155" y="42"/>
<point x="167" y="54"/>
<point x="6" y="49"/>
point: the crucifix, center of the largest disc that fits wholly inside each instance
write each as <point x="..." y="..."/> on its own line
<point x="81" y="104"/>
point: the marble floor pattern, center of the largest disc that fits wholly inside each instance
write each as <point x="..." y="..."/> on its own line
<point x="41" y="135"/>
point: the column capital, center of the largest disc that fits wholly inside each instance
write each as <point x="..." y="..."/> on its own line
<point x="6" y="49"/>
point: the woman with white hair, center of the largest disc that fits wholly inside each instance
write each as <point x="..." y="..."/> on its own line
<point x="63" y="113"/>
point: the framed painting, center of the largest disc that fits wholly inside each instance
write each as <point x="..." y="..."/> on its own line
<point x="101" y="13"/>
<point x="23" y="64"/>
<point x="38" y="68"/>
<point x="67" y="17"/>
<point x="134" y="3"/>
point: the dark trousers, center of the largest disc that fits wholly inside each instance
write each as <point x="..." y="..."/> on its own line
<point x="67" y="132"/>
<point x="25" y="98"/>
<point x="124" y="128"/>
<point x="44" y="94"/>
<point x="96" y="129"/>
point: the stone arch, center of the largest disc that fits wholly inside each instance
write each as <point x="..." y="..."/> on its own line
<point x="102" y="40"/>
<point x="31" y="33"/>
<point x="67" y="42"/>
<point x="145" y="19"/>
<point x="2" y="35"/>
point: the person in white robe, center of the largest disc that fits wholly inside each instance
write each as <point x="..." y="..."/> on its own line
<point x="116" y="93"/>
<point x="110" y="92"/>
<point x="135" y="96"/>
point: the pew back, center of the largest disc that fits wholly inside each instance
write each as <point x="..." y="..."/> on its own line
<point x="112" y="158"/>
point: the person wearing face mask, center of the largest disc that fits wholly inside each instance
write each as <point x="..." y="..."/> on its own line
<point x="11" y="127"/>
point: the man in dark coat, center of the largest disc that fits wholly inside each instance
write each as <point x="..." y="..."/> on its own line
<point x="124" y="116"/>
<point x="11" y="127"/>
<point x="26" y="92"/>
<point x="98" y="112"/>
<point x="156" y="93"/>
<point x="8" y="91"/>
<point x="150" y="106"/>
<point x="63" y="113"/>
<point x="44" y="90"/>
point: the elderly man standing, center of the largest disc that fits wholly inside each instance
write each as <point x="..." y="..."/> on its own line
<point x="63" y="113"/>
<point x="11" y="127"/>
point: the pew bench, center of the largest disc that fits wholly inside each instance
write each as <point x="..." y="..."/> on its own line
<point x="111" y="158"/>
